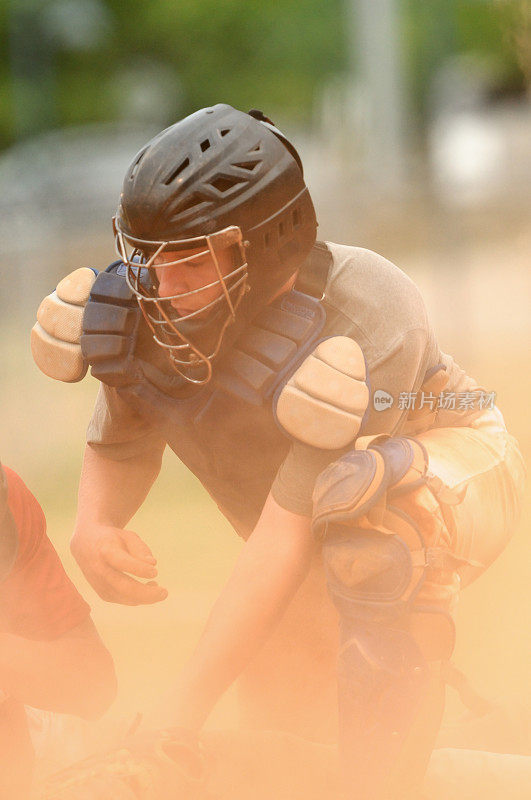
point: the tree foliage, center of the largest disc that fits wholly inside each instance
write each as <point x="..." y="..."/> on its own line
<point x="277" y="56"/>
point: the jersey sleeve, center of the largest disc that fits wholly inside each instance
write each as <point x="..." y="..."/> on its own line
<point x="37" y="599"/>
<point x="8" y="531"/>
<point x="399" y="369"/>
<point x="117" y="431"/>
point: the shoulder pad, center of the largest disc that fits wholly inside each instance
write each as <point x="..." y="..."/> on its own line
<point x="56" y="334"/>
<point x="324" y="401"/>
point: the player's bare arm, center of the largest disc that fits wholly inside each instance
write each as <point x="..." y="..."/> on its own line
<point x="110" y="492"/>
<point x="271" y="566"/>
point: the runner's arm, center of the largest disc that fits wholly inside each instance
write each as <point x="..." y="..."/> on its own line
<point x="71" y="674"/>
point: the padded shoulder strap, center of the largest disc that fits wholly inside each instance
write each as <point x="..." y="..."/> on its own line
<point x="116" y="341"/>
<point x="314" y="272"/>
<point x="276" y="342"/>
<point x="110" y="325"/>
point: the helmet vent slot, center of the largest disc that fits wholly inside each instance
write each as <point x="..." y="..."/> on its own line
<point x="182" y="166"/>
<point x="296" y="218"/>
<point x="267" y="239"/>
<point x="248" y="165"/>
<point x="225" y="182"/>
<point x="205" y="144"/>
<point x="191" y="202"/>
<point x="256" y="149"/>
<point x="135" y="165"/>
<point x="224" y="131"/>
<point x="281" y="229"/>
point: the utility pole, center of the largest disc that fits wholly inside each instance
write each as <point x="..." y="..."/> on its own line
<point x="377" y="68"/>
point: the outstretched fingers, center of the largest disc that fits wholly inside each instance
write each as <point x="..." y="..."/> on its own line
<point x="121" y="588"/>
<point x="137" y="547"/>
<point x="119" y="559"/>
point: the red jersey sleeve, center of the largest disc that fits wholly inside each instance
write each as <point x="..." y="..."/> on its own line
<point x="37" y="599"/>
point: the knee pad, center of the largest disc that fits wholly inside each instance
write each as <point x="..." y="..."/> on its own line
<point x="375" y="556"/>
<point x="374" y="572"/>
<point x="363" y="479"/>
<point x="366" y="565"/>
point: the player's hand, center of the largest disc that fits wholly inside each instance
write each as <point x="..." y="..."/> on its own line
<point x="109" y="557"/>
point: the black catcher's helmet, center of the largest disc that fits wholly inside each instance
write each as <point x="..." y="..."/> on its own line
<point x="217" y="178"/>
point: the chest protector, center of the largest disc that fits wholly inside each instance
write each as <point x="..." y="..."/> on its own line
<point x="225" y="432"/>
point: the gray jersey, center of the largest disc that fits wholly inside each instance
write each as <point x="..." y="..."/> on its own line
<point x="368" y="299"/>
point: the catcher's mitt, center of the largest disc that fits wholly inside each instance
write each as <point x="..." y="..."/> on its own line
<point x="165" y="765"/>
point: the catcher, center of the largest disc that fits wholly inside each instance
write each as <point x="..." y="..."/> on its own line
<point x="45" y="633"/>
<point x="279" y="370"/>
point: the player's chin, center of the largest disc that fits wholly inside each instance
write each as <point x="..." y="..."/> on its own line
<point x="189" y="314"/>
<point x="180" y="310"/>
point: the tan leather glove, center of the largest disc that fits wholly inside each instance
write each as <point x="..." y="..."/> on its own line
<point x="158" y="765"/>
<point x="55" y="336"/>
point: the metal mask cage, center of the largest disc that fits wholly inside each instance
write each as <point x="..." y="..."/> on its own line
<point x="167" y="326"/>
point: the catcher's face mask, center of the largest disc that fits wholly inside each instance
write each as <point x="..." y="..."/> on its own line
<point x="195" y="287"/>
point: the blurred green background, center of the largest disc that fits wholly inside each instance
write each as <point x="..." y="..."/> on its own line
<point x="413" y="118"/>
<point x="72" y="62"/>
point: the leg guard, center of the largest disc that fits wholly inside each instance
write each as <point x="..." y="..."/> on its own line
<point x="385" y="688"/>
<point x="390" y="695"/>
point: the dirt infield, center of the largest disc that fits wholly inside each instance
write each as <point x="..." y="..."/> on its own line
<point x="487" y="330"/>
